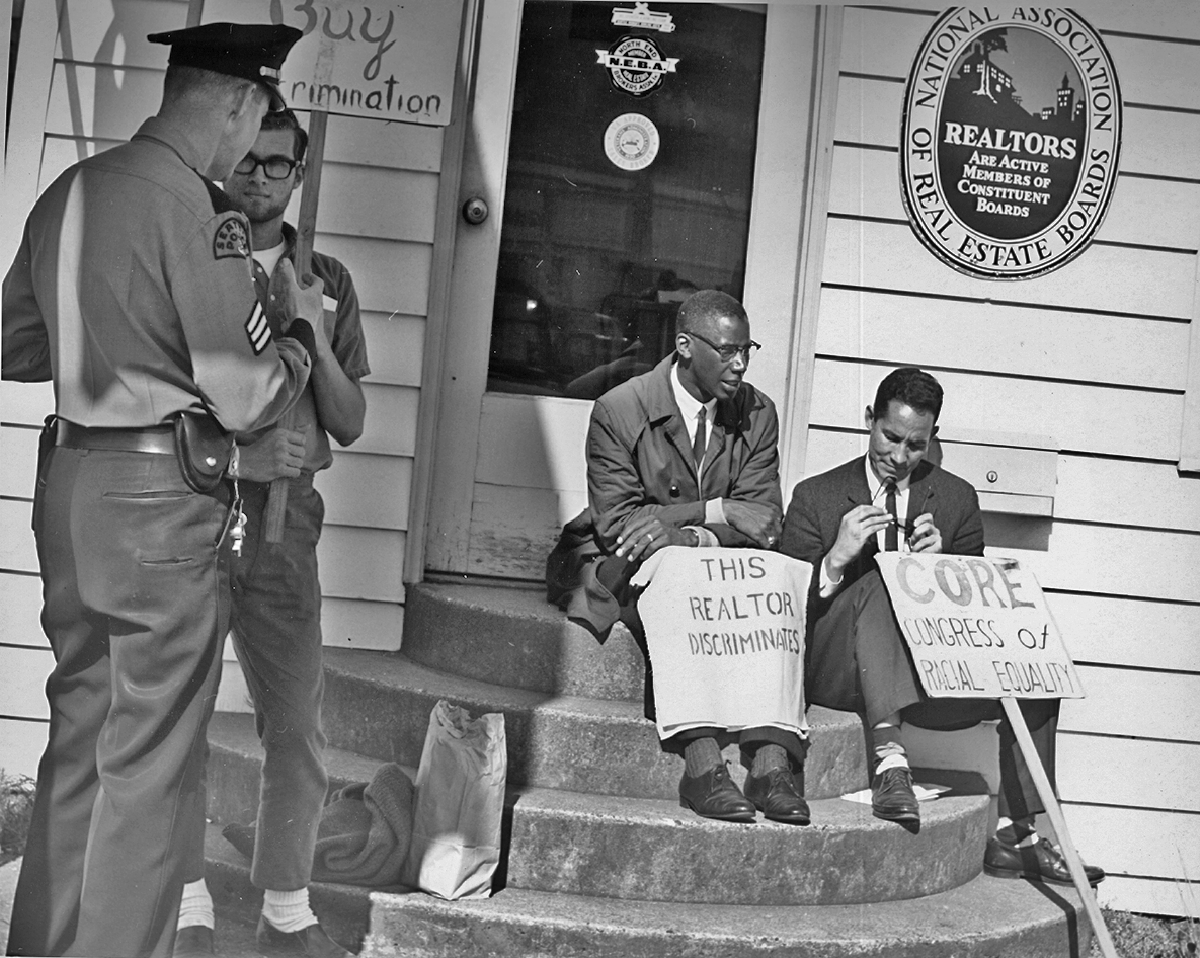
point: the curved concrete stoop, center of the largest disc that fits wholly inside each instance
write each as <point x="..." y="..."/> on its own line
<point x="600" y="860"/>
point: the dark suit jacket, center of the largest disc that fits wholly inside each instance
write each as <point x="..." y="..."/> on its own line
<point x="640" y="463"/>
<point x="818" y="504"/>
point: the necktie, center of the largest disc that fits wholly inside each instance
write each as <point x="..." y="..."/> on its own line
<point x="699" y="442"/>
<point x="891" y="540"/>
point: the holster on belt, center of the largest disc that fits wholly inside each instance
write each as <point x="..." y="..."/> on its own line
<point x="203" y="449"/>
<point x="46" y="441"/>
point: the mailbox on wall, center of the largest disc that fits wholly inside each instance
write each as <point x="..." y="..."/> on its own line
<point x="1013" y="473"/>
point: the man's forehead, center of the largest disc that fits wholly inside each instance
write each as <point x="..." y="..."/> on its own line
<point x="275" y="143"/>
<point x="730" y="329"/>
<point x="903" y="418"/>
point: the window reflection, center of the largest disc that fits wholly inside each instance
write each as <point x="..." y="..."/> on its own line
<point x="595" y="258"/>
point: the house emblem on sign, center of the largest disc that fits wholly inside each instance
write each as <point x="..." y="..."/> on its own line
<point x="642" y="18"/>
<point x="636" y="65"/>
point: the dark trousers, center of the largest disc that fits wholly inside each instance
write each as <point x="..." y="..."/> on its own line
<point x="135" y="602"/>
<point x="856" y="661"/>
<point x="276" y="624"/>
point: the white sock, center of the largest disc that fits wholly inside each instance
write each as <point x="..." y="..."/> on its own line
<point x="894" y="760"/>
<point x="288" y="911"/>
<point x="196" y="906"/>
<point x="1031" y="837"/>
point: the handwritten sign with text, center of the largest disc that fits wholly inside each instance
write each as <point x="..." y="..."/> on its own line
<point x="382" y="59"/>
<point x="725" y="630"/>
<point x="977" y="627"/>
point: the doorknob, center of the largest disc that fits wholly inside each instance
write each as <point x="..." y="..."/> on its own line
<point x="475" y="210"/>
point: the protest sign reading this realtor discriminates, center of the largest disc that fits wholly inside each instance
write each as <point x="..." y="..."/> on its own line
<point x="977" y="627"/>
<point x="725" y="631"/>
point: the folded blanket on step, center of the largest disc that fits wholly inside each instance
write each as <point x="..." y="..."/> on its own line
<point x="364" y="832"/>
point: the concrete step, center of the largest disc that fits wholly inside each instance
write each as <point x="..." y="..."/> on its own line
<point x="511" y="636"/>
<point x="378" y="704"/>
<point x="651" y="849"/>
<point x="986" y="918"/>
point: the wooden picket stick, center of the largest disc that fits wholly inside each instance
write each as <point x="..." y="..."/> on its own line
<point x="1074" y="864"/>
<point x="277" y="496"/>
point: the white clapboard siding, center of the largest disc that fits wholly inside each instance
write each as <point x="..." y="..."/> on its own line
<point x="1144" y="422"/>
<point x="120" y="36"/>
<point x="866" y="182"/>
<point x="362" y="563"/>
<point x="375" y="203"/>
<point x="361" y="625"/>
<point x="366" y="490"/>
<point x="1151" y="144"/>
<point x="394" y="345"/>
<point x="391" y="422"/>
<point x="26" y="403"/>
<point x="23" y="609"/>
<point x="1112" y="279"/>
<point x="25" y="671"/>
<point x="1094" y="356"/>
<point x="1136" y="841"/>
<point x="1167" y="776"/>
<point x="17" y="552"/>
<point x="391" y="277"/>
<point x="22" y="742"/>
<point x="1021" y="340"/>
<point x="19" y="461"/>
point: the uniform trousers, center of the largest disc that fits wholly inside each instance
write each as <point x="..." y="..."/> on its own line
<point x="856" y="661"/>
<point x="276" y="621"/>
<point x="135" y="602"/>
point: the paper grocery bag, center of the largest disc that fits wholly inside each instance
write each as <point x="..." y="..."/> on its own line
<point x="455" y="845"/>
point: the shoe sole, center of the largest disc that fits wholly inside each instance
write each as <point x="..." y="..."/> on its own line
<point x="1032" y="876"/>
<point x="904" y="818"/>
<point x="744" y="818"/>
<point x="784" y="819"/>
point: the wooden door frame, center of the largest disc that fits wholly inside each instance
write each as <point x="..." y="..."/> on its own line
<point x="787" y="229"/>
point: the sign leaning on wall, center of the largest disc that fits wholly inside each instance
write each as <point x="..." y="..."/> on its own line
<point x="1010" y="138"/>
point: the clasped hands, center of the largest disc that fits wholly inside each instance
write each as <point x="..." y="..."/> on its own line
<point x="645" y="535"/>
<point x="864" y="521"/>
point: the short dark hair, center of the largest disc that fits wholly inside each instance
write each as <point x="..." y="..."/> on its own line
<point x="911" y="386"/>
<point x="707" y="306"/>
<point x="183" y="82"/>
<point x="285" y="119"/>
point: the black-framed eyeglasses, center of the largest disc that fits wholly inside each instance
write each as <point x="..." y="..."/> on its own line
<point x="276" y="167"/>
<point x="729" y="351"/>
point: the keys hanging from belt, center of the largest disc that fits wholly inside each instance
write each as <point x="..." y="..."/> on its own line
<point x="237" y="525"/>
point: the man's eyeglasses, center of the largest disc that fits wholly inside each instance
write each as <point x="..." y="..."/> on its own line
<point x="276" y="167"/>
<point x="729" y="351"/>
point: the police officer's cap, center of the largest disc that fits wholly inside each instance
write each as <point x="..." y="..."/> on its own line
<point x="252" y="51"/>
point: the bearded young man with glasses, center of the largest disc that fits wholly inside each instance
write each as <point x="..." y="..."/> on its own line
<point x="684" y="455"/>
<point x="276" y="609"/>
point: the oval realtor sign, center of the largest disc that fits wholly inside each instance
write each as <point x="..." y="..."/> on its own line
<point x="1010" y="137"/>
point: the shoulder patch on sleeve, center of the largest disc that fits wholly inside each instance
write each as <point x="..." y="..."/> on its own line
<point x="257" y="329"/>
<point x="230" y="239"/>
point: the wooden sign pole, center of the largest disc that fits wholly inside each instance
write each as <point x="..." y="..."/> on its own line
<point x="1074" y="863"/>
<point x="277" y="497"/>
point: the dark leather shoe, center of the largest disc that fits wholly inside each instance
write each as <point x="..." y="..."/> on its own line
<point x="312" y="940"/>
<point x="777" y="796"/>
<point x="893" y="799"/>
<point x="1041" y="861"/>
<point x="194" y="941"/>
<point x="714" y="795"/>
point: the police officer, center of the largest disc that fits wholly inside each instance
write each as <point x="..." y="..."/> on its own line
<point x="132" y="290"/>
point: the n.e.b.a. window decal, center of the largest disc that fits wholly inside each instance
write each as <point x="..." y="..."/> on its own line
<point x="1009" y="139"/>
<point x="636" y="65"/>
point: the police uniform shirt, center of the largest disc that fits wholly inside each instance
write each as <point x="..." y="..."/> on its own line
<point x="132" y="290"/>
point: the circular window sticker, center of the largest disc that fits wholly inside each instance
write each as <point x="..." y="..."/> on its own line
<point x="1011" y="139"/>
<point x="631" y="141"/>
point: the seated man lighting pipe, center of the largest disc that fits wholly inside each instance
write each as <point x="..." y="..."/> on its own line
<point x="685" y="455"/>
<point x="856" y="659"/>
